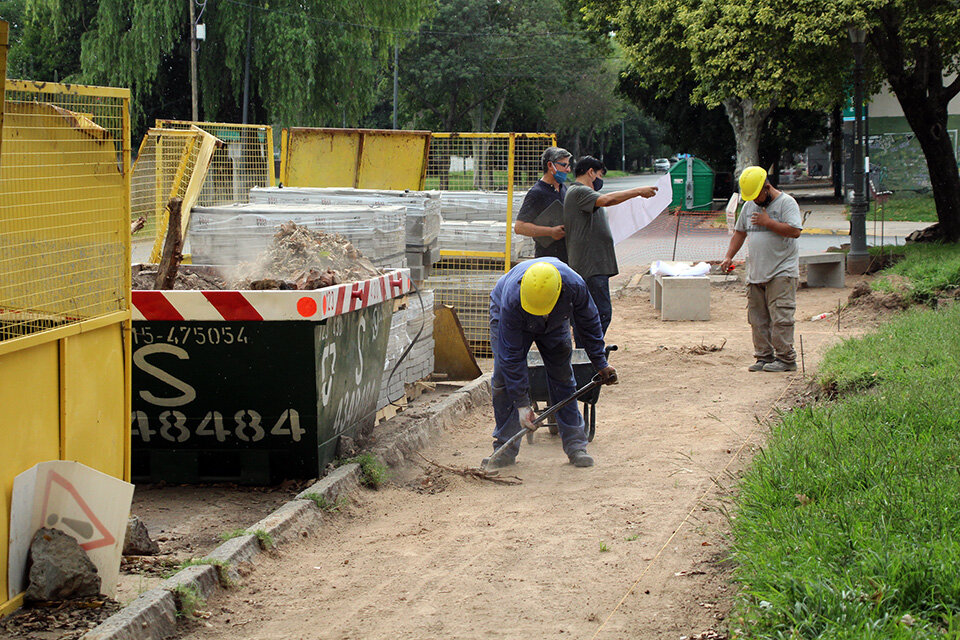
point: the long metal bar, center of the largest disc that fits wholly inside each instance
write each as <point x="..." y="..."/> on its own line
<point x="510" y="168"/>
<point x="67" y="89"/>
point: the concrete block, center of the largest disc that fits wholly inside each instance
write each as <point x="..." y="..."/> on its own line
<point x="682" y="298"/>
<point x="825" y="269"/>
<point x="152" y="616"/>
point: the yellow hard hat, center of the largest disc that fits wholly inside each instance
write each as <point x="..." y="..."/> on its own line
<point x="751" y="182"/>
<point x="540" y="288"/>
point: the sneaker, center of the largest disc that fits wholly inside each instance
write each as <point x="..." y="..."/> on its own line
<point x="581" y="458"/>
<point x="779" y="366"/>
<point x="759" y="365"/>
<point x="505" y="460"/>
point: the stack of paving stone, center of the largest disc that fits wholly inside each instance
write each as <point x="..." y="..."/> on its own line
<point x="476" y="221"/>
<point x="418" y="363"/>
<point x="227" y="235"/>
<point x="422" y="217"/>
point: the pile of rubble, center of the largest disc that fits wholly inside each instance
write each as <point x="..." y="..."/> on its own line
<point x="299" y="258"/>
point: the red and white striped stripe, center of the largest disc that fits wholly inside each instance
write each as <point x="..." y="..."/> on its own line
<point x="233" y="306"/>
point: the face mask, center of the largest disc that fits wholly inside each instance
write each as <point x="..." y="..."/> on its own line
<point x="560" y="176"/>
<point x="598" y="184"/>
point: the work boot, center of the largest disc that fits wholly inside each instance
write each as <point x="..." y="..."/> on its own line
<point x="580" y="458"/>
<point x="779" y="366"/>
<point x="507" y="459"/>
<point x="759" y="365"/>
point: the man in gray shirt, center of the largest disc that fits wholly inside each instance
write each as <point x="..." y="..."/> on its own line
<point x="770" y="220"/>
<point x="589" y="241"/>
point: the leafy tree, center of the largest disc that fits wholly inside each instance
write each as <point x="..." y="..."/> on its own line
<point x="916" y="46"/>
<point x="311" y="62"/>
<point x="739" y="55"/>
<point x="38" y="51"/>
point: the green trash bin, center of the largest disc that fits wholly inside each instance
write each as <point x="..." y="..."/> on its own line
<point x="692" y="181"/>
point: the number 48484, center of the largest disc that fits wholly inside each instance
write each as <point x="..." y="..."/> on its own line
<point x="247" y="426"/>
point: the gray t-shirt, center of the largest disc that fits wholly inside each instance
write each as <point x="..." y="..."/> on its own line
<point x="590" y="249"/>
<point x="771" y="254"/>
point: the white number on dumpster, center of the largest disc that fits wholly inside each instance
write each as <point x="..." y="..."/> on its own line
<point x="174" y="426"/>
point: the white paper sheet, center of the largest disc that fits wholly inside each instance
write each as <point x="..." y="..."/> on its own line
<point x="628" y="217"/>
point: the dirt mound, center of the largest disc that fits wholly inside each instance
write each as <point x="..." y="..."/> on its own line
<point x="299" y="258"/>
<point x="864" y="296"/>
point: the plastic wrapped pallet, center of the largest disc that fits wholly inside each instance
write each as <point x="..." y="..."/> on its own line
<point x="423" y="207"/>
<point x="482" y="235"/>
<point x="479" y="205"/>
<point x="227" y="235"/>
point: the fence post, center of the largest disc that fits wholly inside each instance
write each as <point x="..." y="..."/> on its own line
<point x="510" y="168"/>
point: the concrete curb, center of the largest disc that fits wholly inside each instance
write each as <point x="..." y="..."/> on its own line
<point x="153" y="615"/>
<point x="816" y="231"/>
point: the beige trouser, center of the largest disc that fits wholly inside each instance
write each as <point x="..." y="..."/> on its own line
<point x="770" y="309"/>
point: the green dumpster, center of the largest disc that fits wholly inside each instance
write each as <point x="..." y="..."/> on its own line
<point x="692" y="181"/>
<point x="255" y="386"/>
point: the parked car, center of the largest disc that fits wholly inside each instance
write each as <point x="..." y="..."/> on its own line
<point x="661" y="165"/>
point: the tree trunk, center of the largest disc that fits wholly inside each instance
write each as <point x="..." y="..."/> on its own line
<point x="918" y="85"/>
<point x="836" y="150"/>
<point x="929" y="123"/>
<point x="746" y="121"/>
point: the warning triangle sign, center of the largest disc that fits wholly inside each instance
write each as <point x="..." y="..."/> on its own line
<point x="85" y="525"/>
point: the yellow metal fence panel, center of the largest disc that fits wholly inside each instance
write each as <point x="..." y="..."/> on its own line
<point x="244" y="161"/>
<point x="4" y="30"/>
<point x="360" y="158"/>
<point x="486" y="162"/>
<point x="64" y="207"/>
<point x="163" y="157"/>
<point x="65" y="283"/>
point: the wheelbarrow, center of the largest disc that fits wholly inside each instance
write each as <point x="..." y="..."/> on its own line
<point x="583" y="372"/>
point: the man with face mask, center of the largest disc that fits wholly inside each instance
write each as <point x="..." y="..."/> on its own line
<point x="589" y="242"/>
<point x="771" y="222"/>
<point x="552" y="187"/>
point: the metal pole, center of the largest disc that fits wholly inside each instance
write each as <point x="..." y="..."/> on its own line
<point x="623" y="146"/>
<point x="396" y="83"/>
<point x="859" y="258"/>
<point x="246" y="68"/>
<point x="193" y="64"/>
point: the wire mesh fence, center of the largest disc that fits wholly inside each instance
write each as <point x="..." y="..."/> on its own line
<point x="165" y="162"/>
<point x="244" y="161"/>
<point x="495" y="168"/>
<point x="64" y="206"/>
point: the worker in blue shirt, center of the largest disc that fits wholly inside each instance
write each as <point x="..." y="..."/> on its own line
<point x="533" y="303"/>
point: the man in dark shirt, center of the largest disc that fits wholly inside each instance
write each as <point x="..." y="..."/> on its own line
<point x="590" y="243"/>
<point x="551" y="188"/>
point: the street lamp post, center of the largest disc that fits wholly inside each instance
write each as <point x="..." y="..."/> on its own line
<point x="858" y="259"/>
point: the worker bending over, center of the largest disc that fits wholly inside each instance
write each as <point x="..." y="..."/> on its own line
<point x="534" y="303"/>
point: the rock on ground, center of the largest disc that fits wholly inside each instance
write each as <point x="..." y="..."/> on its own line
<point x="59" y="568"/>
<point x="137" y="541"/>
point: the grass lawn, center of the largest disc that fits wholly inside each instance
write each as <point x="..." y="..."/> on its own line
<point x="847" y="524"/>
<point x="924" y="270"/>
<point x="907" y="209"/>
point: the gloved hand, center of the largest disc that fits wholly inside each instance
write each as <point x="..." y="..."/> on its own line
<point x="609" y="375"/>
<point x="527" y="417"/>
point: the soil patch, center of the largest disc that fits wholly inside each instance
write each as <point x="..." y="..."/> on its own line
<point x="58" y="620"/>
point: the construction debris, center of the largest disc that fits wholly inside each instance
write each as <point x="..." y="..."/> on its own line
<point x="701" y="349"/>
<point x="59" y="568"/>
<point x="473" y="472"/>
<point x="300" y="258"/>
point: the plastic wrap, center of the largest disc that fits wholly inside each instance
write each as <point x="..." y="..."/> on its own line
<point x="227" y="235"/>
<point x="423" y="208"/>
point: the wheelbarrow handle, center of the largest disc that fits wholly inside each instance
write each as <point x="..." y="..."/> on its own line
<point x="595" y="382"/>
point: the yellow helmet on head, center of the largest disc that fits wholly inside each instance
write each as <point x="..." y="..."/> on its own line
<point x="540" y="288"/>
<point x="751" y="182"/>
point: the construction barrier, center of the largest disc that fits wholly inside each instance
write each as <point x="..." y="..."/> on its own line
<point x="491" y="163"/>
<point x="170" y="164"/>
<point x="65" y="290"/>
<point x="243" y="161"/>
<point x="358" y="158"/>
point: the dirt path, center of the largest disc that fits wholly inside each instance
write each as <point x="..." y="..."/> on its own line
<point x="570" y="553"/>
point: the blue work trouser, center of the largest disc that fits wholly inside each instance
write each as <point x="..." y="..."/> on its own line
<point x="555" y="349"/>
<point x="599" y="288"/>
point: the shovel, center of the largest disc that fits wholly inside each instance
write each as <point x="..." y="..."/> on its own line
<point x="595" y="382"/>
